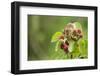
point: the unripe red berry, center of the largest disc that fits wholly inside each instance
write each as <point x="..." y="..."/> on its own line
<point x="79" y="31"/>
<point x="66" y="42"/>
<point x="65" y="48"/>
<point x="81" y="36"/>
<point x="62" y="46"/>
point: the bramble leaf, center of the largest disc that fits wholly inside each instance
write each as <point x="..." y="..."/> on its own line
<point x="83" y="45"/>
<point x="55" y="37"/>
<point x="71" y="45"/>
<point x="57" y="46"/>
<point x="76" y="51"/>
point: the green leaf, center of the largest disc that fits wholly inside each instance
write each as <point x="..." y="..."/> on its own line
<point x="76" y="51"/>
<point x="83" y="45"/>
<point x="78" y="25"/>
<point x="55" y="37"/>
<point x="57" y="46"/>
<point x="73" y="50"/>
<point x="71" y="45"/>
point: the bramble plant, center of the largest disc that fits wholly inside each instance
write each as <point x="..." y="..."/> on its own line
<point x="71" y="41"/>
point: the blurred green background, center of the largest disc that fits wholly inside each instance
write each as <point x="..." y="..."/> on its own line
<point x="40" y="30"/>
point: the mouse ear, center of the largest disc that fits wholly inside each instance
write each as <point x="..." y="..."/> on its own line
<point x="70" y="26"/>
